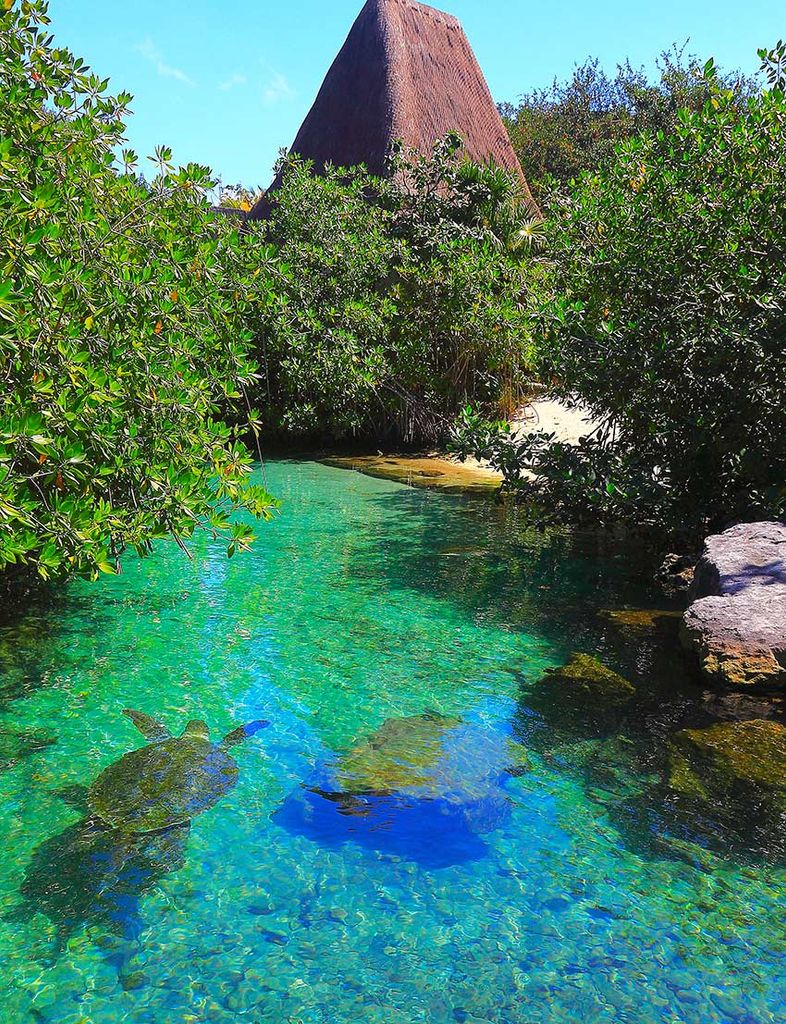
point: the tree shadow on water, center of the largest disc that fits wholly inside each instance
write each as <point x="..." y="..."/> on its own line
<point x="488" y="559"/>
<point x="35" y="634"/>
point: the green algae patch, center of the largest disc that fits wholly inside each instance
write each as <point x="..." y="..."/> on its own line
<point x="587" y="678"/>
<point x="730" y="758"/>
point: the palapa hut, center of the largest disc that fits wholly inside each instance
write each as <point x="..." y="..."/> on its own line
<point x="406" y="72"/>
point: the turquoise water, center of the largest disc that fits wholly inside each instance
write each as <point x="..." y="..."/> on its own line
<point x="572" y="888"/>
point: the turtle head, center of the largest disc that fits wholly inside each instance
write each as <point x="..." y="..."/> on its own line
<point x="197" y="730"/>
<point x="243" y="733"/>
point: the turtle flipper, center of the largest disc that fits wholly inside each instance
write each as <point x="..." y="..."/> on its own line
<point x="349" y="804"/>
<point x="243" y="733"/>
<point x="149" y="727"/>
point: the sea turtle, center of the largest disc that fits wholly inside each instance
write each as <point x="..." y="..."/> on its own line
<point x="169" y="781"/>
<point x="436" y="765"/>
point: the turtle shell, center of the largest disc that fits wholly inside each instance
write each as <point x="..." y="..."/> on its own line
<point x="450" y="769"/>
<point x="162" y="784"/>
<point x="429" y="756"/>
<point x="404" y="754"/>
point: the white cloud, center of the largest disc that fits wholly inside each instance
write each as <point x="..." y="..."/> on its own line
<point x="276" y="90"/>
<point x="232" y="81"/>
<point x="151" y="53"/>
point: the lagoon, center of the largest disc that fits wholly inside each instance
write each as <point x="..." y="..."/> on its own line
<point x="572" y="888"/>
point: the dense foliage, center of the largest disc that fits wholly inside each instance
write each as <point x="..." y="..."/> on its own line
<point x="397" y="300"/>
<point x="574" y="126"/>
<point x="137" y="328"/>
<point x="119" y="336"/>
<point x="667" y="319"/>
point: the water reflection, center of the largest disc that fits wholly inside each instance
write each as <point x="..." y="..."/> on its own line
<point x="487" y="560"/>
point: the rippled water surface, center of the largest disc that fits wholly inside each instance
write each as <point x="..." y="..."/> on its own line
<point x="423" y="834"/>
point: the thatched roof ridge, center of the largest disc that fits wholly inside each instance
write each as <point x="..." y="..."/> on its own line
<point x="406" y="72"/>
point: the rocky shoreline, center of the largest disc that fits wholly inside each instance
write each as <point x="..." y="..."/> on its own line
<point x="736" y="625"/>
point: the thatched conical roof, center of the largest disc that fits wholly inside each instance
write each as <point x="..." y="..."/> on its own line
<point x="406" y="72"/>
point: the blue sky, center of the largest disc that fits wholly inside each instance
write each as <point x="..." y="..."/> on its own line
<point x="228" y="84"/>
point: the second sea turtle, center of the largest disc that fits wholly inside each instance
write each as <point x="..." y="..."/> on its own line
<point x="169" y="781"/>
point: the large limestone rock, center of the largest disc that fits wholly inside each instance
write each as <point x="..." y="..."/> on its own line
<point x="737" y="625"/>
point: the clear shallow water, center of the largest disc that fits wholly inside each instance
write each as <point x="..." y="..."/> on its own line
<point x="572" y="891"/>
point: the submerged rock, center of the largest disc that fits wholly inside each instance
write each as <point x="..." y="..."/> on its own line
<point x="586" y="679"/>
<point x="731" y="760"/>
<point x="643" y="620"/>
<point x="743" y="705"/>
<point x="423" y="471"/>
<point x="676" y="574"/>
<point x="582" y="698"/>
<point x="737" y="625"/>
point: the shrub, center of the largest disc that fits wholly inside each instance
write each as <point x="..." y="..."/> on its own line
<point x="574" y="126"/>
<point x="119" y="338"/>
<point x="668" y="320"/>
<point x="398" y="300"/>
<point x="323" y="322"/>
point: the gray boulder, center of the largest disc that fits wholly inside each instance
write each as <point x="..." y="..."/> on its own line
<point x="737" y="623"/>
